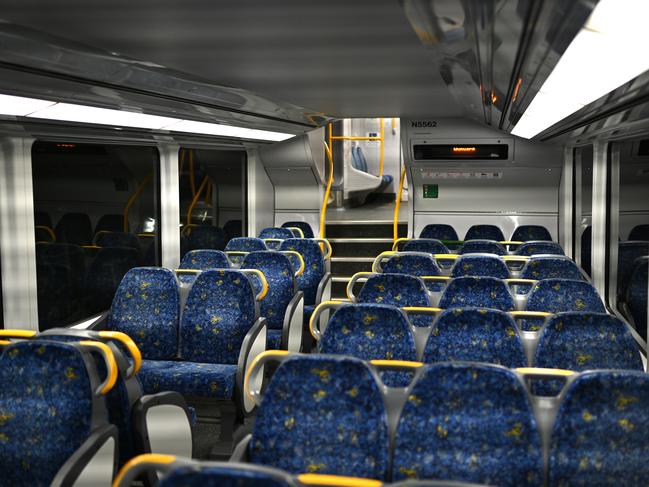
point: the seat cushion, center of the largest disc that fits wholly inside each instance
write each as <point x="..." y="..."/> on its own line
<point x="215" y="381"/>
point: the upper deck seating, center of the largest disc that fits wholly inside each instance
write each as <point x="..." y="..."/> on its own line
<point x="52" y="416"/>
<point x="599" y="437"/>
<point x="117" y="239"/>
<point x="206" y="237"/>
<point x="480" y="265"/>
<point x="439" y="231"/>
<point x="482" y="247"/>
<point x="304" y="226"/>
<point x="232" y="229"/>
<point x="413" y="264"/>
<point x="74" y="228"/>
<point x="275" y="233"/>
<point x="468" y="422"/>
<point x="550" y="267"/>
<point x="535" y="248"/>
<point x="639" y="232"/>
<point x="636" y="296"/>
<point x="484" y="232"/>
<point x="475" y="335"/>
<point x="429" y="245"/>
<point x="479" y="292"/>
<point x="525" y="233"/>
<point x="244" y="244"/>
<point x="283" y="299"/>
<point x="322" y="414"/>
<point x="104" y="275"/>
<point x="110" y="223"/>
<point x="628" y="253"/>
<point x="203" y="260"/>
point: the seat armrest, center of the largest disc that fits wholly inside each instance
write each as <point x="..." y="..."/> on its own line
<point x="293" y="328"/>
<point x="240" y="452"/>
<point x="324" y="289"/>
<point x="94" y="462"/>
<point x="163" y="424"/>
<point x="253" y="344"/>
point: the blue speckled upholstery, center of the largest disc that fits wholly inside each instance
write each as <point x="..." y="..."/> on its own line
<point x="413" y="265"/>
<point x="224" y="475"/>
<point x="206" y="237"/>
<point x="398" y="290"/>
<point x="104" y="275"/>
<point x="471" y="423"/>
<point x="484" y="232"/>
<point x="304" y="226"/>
<point x="478" y="292"/>
<point x="118" y="239"/>
<point x="430" y="245"/>
<point x="188" y="378"/>
<point x="202" y="259"/>
<point x="482" y="247"/>
<point x="439" y="231"/>
<point x="639" y="232"/>
<point x="557" y="295"/>
<point x="538" y="268"/>
<point x="45" y="410"/>
<point x="147" y="308"/>
<point x="600" y="435"/>
<point x="475" y="335"/>
<point x="314" y="266"/>
<point x="278" y="271"/>
<point x="525" y="233"/>
<point x="480" y="265"/>
<point x="275" y="232"/>
<point x="537" y="248"/>
<point x="628" y="252"/>
<point x="322" y="414"/>
<point x="636" y="296"/>
<point x="244" y="244"/>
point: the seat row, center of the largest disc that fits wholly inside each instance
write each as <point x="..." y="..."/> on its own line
<point x="522" y="233"/>
<point x="434" y="246"/>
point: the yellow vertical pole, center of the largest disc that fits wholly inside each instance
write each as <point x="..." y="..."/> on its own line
<point x="323" y="211"/>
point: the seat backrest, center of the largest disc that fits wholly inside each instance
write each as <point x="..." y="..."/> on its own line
<point x="475" y="335"/>
<point x="322" y="414"/>
<point x="369" y="331"/>
<point x="547" y="267"/>
<point x="106" y="272"/>
<point x="478" y="292"/>
<point x="117" y="239"/>
<point x="219" y="311"/>
<point x="206" y="237"/>
<point x="557" y="295"/>
<point x="586" y="341"/>
<point x="480" y="265"/>
<point x="224" y="475"/>
<point x="482" y="247"/>
<point x="430" y="245"/>
<point x="468" y="422"/>
<point x="361" y="158"/>
<point x="639" y="232"/>
<point x="421" y="264"/>
<point x="535" y="248"/>
<point x="525" y="233"/>
<point x="279" y="274"/>
<point x="47" y="409"/>
<point x="304" y="226"/>
<point x="397" y="290"/>
<point x="74" y="228"/>
<point x="110" y="223"/>
<point x="276" y="232"/>
<point x="600" y="434"/>
<point x="232" y="229"/>
<point x="42" y="218"/>
<point x="70" y="257"/>
<point x="205" y="259"/>
<point x="246" y="244"/>
<point x="146" y="307"/>
<point x="628" y="252"/>
<point x="439" y="231"/>
<point x="636" y="295"/>
<point x="484" y="232"/>
<point x="314" y="266"/>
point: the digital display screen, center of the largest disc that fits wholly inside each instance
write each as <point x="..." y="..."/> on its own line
<point x="430" y="152"/>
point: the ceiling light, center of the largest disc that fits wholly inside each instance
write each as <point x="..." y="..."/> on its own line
<point x="21" y="106"/>
<point x="227" y="131"/>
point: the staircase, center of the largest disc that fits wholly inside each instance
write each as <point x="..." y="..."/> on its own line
<point x="355" y="244"/>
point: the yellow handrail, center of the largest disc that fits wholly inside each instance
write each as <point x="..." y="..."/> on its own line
<point x="195" y="200"/>
<point x="323" y="211"/>
<point x="380" y="138"/>
<point x="397" y="206"/>
<point x="134" y="197"/>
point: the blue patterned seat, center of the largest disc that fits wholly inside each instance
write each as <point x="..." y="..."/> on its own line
<point x="525" y="233"/>
<point x="74" y="228"/>
<point x="628" y="253"/>
<point x="558" y="295"/>
<point x="48" y="409"/>
<point x="548" y="267"/>
<point x="322" y="414"/>
<point x="244" y="244"/>
<point x="279" y="273"/>
<point x="111" y="223"/>
<point x="482" y="247"/>
<point x="397" y="290"/>
<point x="475" y="335"/>
<point x="414" y="265"/>
<point x="117" y="239"/>
<point x="480" y="265"/>
<point x="477" y="292"/>
<point x="484" y="232"/>
<point x="304" y="226"/>
<point x="639" y="232"/>
<point x="636" y="296"/>
<point x="277" y="233"/>
<point x="206" y="237"/>
<point x="439" y="231"/>
<point x="203" y="260"/>
<point x="600" y="434"/>
<point x="429" y="245"/>
<point x="104" y="275"/>
<point x="471" y="423"/>
<point x="536" y="248"/>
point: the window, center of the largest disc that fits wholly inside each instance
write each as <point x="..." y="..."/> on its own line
<point x="585" y="229"/>
<point x="212" y="197"/>
<point x="96" y="211"/>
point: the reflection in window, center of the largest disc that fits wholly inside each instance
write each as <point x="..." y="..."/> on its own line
<point x="95" y="210"/>
<point x="212" y="198"/>
<point x="586" y="229"/>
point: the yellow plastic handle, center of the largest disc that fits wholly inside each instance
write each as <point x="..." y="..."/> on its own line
<point x="425" y="310"/>
<point x="298" y="230"/>
<point x="327" y="250"/>
<point x="529" y="314"/>
<point x="300" y="271"/>
<point x="401" y="364"/>
<point x="336" y="481"/>
<point x="511" y="242"/>
<point x="259" y="360"/>
<point x="111" y="365"/>
<point x="49" y="231"/>
<point x="395" y="245"/>
<point x="130" y="345"/>
<point x="315" y="316"/>
<point x="376" y="265"/>
<point x="264" y="283"/>
<point x="187" y="271"/>
<point x="543" y="372"/>
<point x="23" y="334"/>
<point x="520" y="281"/>
<point x="350" y="285"/>
<point x="145" y="459"/>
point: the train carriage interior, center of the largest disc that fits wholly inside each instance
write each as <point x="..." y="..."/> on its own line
<point x="353" y="243"/>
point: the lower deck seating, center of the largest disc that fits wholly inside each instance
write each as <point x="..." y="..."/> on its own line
<point x="203" y="260"/>
<point x="430" y="245"/>
<point x="538" y="248"/>
<point x="482" y="247"/>
<point x="484" y="232"/>
<point x="480" y="266"/>
<point x="307" y="231"/>
<point x="439" y="231"/>
<point x="479" y="292"/>
<point x="525" y="233"/>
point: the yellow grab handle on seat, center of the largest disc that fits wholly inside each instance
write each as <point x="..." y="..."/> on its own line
<point x="187" y="271"/>
<point x="300" y="271"/>
<point x="324" y="242"/>
<point x="544" y="372"/>
<point x="111" y="364"/>
<point x="262" y="357"/>
<point x="410" y="364"/>
<point x="262" y="279"/>
<point x="149" y="458"/>
<point x="298" y="230"/>
<point x="335" y="480"/>
<point x="128" y="342"/>
<point x="17" y="333"/>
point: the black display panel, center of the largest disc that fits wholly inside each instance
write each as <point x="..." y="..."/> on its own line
<point x="430" y="152"/>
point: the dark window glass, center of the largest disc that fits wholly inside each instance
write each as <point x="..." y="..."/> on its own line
<point x="212" y="198"/>
<point x="585" y="224"/>
<point x="96" y="210"/>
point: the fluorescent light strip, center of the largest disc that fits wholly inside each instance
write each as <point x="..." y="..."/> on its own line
<point x="68" y="112"/>
<point x="610" y="50"/>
